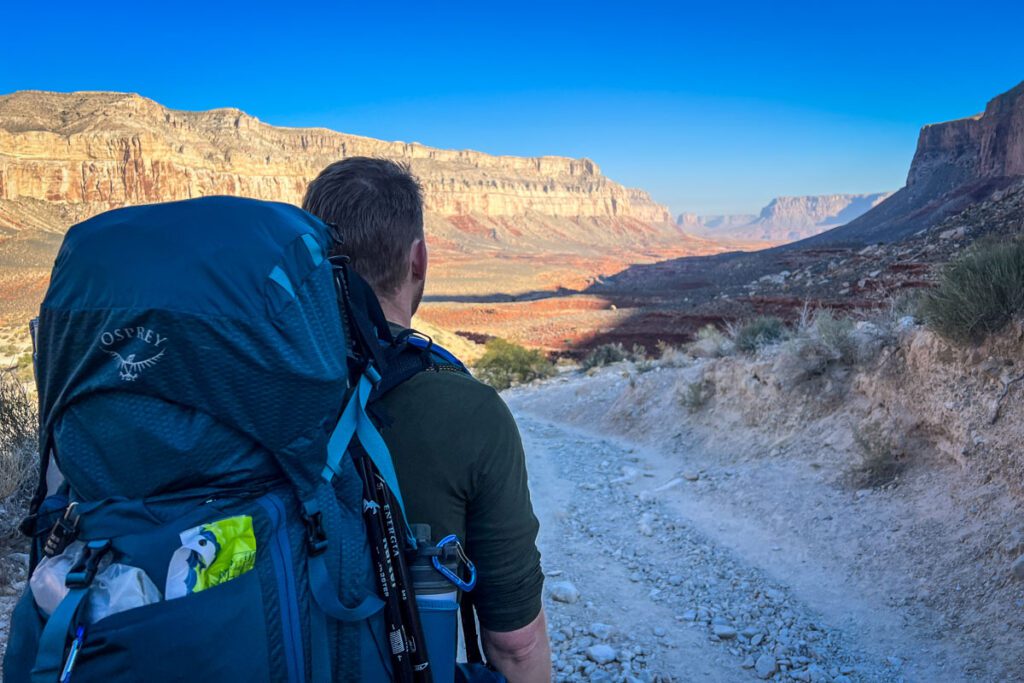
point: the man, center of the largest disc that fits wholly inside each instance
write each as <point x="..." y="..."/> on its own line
<point x="456" y="447"/>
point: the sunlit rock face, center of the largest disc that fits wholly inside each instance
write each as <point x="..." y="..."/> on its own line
<point x="88" y="152"/>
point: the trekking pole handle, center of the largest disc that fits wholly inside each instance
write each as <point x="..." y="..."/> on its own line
<point x="448" y="573"/>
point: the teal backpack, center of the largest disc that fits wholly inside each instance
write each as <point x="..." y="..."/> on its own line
<point x="225" y="508"/>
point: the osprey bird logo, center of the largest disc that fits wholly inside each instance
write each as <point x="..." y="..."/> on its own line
<point x="130" y="368"/>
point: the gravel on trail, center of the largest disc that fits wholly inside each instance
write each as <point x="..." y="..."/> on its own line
<point x="635" y="594"/>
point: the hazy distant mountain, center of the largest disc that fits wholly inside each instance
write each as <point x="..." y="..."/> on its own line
<point x="784" y="219"/>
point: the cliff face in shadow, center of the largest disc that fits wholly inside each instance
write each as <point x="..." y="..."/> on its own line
<point x="957" y="163"/>
<point x="965" y="182"/>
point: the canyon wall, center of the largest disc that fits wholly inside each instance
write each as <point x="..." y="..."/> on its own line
<point x="956" y="164"/>
<point x="93" y="151"/>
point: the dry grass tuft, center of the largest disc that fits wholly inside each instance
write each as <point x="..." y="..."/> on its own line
<point x="18" y="451"/>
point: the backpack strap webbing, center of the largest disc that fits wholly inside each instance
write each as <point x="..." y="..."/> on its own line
<point x="409" y="354"/>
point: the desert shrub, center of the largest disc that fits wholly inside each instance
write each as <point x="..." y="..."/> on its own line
<point x="880" y="461"/>
<point x="836" y="335"/>
<point x="670" y="356"/>
<point x="977" y="294"/>
<point x="711" y="343"/>
<point x="18" y="461"/>
<point x="505" y="364"/>
<point x="758" y="332"/>
<point x="822" y="341"/>
<point x="606" y="354"/>
<point x="696" y="395"/>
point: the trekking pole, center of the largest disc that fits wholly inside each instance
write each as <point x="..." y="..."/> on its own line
<point x="397" y="640"/>
<point x="410" y="610"/>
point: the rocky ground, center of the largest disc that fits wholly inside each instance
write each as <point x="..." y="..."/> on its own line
<point x="732" y="541"/>
<point x="637" y="592"/>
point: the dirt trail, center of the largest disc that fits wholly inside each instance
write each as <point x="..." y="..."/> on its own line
<point x="669" y="553"/>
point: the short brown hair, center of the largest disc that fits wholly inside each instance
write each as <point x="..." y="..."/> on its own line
<point x="375" y="208"/>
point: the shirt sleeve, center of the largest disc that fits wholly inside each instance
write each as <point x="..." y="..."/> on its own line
<point x="501" y="528"/>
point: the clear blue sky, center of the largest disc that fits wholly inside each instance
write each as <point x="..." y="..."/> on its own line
<point x="711" y="109"/>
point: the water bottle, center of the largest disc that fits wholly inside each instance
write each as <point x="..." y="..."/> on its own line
<point x="436" y="584"/>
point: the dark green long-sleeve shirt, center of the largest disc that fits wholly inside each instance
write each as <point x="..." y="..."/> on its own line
<point x="462" y="470"/>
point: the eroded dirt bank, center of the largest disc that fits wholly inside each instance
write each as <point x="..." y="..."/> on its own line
<point x="743" y="531"/>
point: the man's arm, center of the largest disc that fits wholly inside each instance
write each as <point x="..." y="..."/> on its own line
<point x="523" y="655"/>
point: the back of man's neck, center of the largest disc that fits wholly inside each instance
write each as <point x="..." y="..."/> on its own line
<point x="396" y="314"/>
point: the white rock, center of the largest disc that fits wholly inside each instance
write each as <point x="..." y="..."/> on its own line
<point x="601" y="654"/>
<point x="765" y="666"/>
<point x="564" y="591"/>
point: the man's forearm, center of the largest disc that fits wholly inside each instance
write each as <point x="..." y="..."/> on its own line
<point x="524" y="655"/>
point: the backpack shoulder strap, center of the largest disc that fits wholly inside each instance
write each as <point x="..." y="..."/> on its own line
<point x="408" y="355"/>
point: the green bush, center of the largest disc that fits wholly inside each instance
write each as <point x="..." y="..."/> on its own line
<point x="762" y="331"/>
<point x="505" y="364"/>
<point x="978" y="294"/>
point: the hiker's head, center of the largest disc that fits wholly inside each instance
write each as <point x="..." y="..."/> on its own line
<point x="376" y="206"/>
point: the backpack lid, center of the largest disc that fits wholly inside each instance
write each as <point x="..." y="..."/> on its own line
<point x="217" y="313"/>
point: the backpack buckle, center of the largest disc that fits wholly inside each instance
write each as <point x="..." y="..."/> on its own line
<point x="83" y="571"/>
<point x="316" y="537"/>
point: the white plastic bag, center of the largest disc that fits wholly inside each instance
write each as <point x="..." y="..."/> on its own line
<point x="47" y="581"/>
<point x="118" y="587"/>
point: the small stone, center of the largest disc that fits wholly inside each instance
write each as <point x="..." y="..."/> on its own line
<point x="749" y="632"/>
<point x="690" y="615"/>
<point x="636" y="577"/>
<point x="724" y="631"/>
<point x="765" y="666"/>
<point x="564" y="591"/>
<point x="601" y="654"/>
<point x="757" y="639"/>
<point x="817" y="674"/>
<point x="748" y="662"/>
<point x="894" y="662"/>
<point x="601" y="631"/>
<point x="842" y="678"/>
<point x="691" y="476"/>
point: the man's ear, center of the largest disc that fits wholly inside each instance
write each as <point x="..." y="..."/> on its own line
<point x="418" y="260"/>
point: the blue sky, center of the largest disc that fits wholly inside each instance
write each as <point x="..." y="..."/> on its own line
<point x="711" y="109"/>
